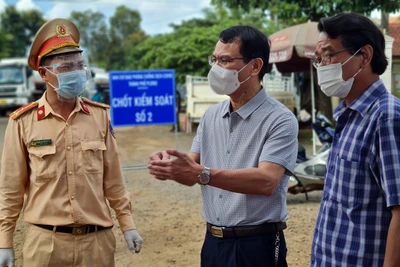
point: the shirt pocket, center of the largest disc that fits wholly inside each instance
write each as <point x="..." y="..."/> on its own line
<point x="92" y="153"/>
<point x="348" y="183"/>
<point x="43" y="163"/>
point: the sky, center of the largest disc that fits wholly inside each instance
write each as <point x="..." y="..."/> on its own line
<point x="156" y="14"/>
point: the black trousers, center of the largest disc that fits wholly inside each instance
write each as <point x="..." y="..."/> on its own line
<point x="254" y="251"/>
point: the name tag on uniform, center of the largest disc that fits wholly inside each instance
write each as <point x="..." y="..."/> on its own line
<point x="44" y="142"/>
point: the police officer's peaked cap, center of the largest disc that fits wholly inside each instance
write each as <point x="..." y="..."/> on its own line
<point x="57" y="36"/>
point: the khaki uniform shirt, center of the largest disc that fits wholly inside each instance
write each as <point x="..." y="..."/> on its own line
<point x="61" y="172"/>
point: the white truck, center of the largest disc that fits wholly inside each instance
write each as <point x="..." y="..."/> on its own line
<point x="17" y="86"/>
<point x="199" y="96"/>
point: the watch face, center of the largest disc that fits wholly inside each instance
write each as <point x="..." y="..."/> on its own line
<point x="204" y="178"/>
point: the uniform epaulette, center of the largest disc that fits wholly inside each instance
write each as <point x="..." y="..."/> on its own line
<point x="15" y="114"/>
<point x="94" y="103"/>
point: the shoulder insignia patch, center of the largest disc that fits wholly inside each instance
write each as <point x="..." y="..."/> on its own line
<point x="15" y="114"/>
<point x="94" y="103"/>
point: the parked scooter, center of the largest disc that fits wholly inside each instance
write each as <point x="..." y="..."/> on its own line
<point x="309" y="173"/>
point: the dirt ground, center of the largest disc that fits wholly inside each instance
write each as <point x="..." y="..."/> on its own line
<point x="167" y="214"/>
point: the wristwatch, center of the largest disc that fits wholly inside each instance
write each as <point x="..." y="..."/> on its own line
<point x="204" y="177"/>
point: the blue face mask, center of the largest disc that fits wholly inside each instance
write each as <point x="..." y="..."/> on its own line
<point x="71" y="84"/>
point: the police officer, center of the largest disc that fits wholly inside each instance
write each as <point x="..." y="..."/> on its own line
<point x="60" y="165"/>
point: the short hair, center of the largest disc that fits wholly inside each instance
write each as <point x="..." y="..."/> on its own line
<point x="253" y="44"/>
<point x="356" y="31"/>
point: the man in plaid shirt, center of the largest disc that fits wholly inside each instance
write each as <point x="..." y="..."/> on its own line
<point x="359" y="217"/>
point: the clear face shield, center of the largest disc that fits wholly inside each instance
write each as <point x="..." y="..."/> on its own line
<point x="73" y="76"/>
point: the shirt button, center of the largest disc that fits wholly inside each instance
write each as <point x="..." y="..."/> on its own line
<point x="70" y="173"/>
<point x="72" y="198"/>
<point x="69" y="148"/>
<point x="217" y="219"/>
<point x="228" y="151"/>
<point x="337" y="135"/>
<point x="76" y="221"/>
<point x="220" y="196"/>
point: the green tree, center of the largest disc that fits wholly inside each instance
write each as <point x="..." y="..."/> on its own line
<point x="289" y="10"/>
<point x="94" y="34"/>
<point x="125" y="34"/>
<point x="4" y="51"/>
<point x="187" y="47"/>
<point x="19" y="29"/>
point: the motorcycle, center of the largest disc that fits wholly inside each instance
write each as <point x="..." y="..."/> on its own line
<point x="309" y="173"/>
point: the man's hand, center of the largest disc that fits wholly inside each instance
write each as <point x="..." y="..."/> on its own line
<point x="133" y="240"/>
<point x="7" y="257"/>
<point x="182" y="168"/>
<point x="159" y="155"/>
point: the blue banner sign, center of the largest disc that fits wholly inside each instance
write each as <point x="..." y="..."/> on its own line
<point x="139" y="98"/>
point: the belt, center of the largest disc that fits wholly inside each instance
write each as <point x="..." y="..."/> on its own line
<point x="243" y="231"/>
<point x="79" y="230"/>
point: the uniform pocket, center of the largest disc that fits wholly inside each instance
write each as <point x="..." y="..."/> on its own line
<point x="92" y="152"/>
<point x="43" y="163"/>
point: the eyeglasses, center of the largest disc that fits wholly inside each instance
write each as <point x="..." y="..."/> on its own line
<point x="326" y="58"/>
<point x="67" y="66"/>
<point x="223" y="60"/>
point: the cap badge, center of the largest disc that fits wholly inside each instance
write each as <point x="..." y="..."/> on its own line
<point x="62" y="31"/>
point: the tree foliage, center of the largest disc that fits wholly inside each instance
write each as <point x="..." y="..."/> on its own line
<point x="18" y="30"/>
<point x="125" y="33"/>
<point x="187" y="47"/>
<point x="311" y="9"/>
<point x="94" y="34"/>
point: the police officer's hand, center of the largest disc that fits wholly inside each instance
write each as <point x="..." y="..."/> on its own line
<point x="159" y="155"/>
<point x="7" y="257"/>
<point x="134" y="241"/>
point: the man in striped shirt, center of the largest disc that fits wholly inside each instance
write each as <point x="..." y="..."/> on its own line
<point x="359" y="218"/>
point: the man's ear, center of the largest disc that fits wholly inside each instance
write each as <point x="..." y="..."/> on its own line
<point x="43" y="73"/>
<point x="367" y="53"/>
<point x="256" y="66"/>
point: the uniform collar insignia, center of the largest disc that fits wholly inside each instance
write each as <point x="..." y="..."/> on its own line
<point x="84" y="107"/>
<point x="40" y="113"/>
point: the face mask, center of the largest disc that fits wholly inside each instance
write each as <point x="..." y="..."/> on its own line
<point x="71" y="84"/>
<point x="224" y="81"/>
<point x="331" y="81"/>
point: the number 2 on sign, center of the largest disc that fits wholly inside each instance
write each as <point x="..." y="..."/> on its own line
<point x="143" y="117"/>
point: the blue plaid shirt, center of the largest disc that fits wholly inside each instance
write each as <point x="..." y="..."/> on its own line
<point x="362" y="180"/>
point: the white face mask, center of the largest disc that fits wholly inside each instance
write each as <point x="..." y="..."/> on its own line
<point x="331" y="81"/>
<point x="224" y="81"/>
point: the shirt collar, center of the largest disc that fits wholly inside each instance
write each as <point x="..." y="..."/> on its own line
<point x="44" y="108"/>
<point x="364" y="101"/>
<point x="249" y="107"/>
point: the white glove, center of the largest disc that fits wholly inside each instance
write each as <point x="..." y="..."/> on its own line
<point x="134" y="241"/>
<point x="7" y="257"/>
